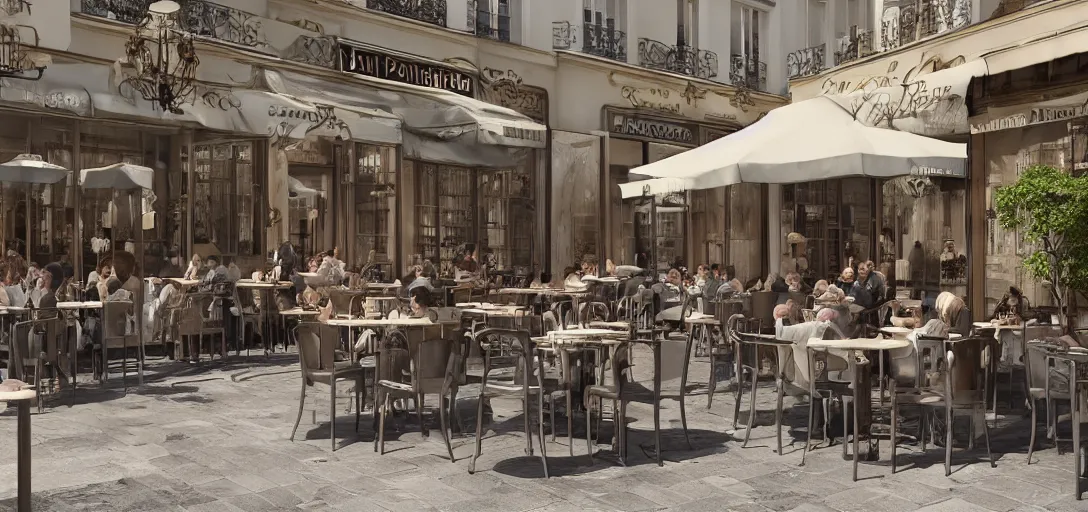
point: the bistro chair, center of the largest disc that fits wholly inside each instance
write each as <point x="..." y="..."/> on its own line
<point x="317" y="359"/>
<point x="1044" y="380"/>
<point x="960" y="383"/>
<point x="516" y="363"/>
<point x="618" y="391"/>
<point x="115" y="334"/>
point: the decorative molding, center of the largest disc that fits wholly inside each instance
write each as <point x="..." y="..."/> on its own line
<point x="506" y="89"/>
<point x="318" y="51"/>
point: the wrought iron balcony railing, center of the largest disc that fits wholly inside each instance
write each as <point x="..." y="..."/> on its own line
<point x="681" y="59"/>
<point x="563" y="35"/>
<point x="604" y="41"/>
<point x="805" y="62"/>
<point x="854" y="46"/>
<point x="427" y="11"/>
<point x="924" y="19"/>
<point x="14" y="7"/>
<point x="748" y="72"/>
<point x="198" y="17"/>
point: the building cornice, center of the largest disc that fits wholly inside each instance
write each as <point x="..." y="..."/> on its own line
<point x="935" y="40"/>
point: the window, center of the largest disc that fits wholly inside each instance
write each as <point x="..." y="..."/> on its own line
<point x="746" y="67"/>
<point x="224" y="200"/>
<point x="506" y="218"/>
<point x="493" y="19"/>
<point x="817" y="13"/>
<point x="850" y="14"/>
<point x="686" y="23"/>
<point x="605" y="23"/>
<point x="375" y="203"/>
<point x="444" y="202"/>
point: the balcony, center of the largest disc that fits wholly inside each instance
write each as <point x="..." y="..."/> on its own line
<point x="805" y="62"/>
<point x="681" y="59"/>
<point x="604" y="41"/>
<point x="854" y="46"/>
<point x="747" y="72"/>
<point x="490" y="25"/>
<point x="198" y="17"/>
<point x="427" y="11"/>
<point x="912" y="22"/>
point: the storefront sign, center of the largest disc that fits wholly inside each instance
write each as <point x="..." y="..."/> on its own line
<point x="512" y="132"/>
<point x="937" y="172"/>
<point x="652" y="129"/>
<point x="1063" y="109"/>
<point x="399" y="69"/>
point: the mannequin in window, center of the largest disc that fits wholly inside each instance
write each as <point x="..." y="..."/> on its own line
<point x="795" y="259"/>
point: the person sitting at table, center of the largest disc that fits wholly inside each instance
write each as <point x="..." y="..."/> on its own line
<point x="215" y="272"/>
<point x="846" y="280"/>
<point x="115" y="292"/>
<point x="421" y="303"/>
<point x="869" y="289"/>
<point x="669" y="296"/>
<point x="196" y="268"/>
<point x="422" y="278"/>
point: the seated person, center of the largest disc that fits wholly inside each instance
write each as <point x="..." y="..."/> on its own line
<point x="869" y="290"/>
<point x="45" y="295"/>
<point x="421" y="303"/>
<point x="114" y="291"/>
<point x="669" y="297"/>
<point x="846" y="280"/>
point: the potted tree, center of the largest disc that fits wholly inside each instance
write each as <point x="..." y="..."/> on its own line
<point x="1049" y="208"/>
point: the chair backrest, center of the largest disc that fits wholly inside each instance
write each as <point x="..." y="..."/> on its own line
<point x="1035" y="362"/>
<point x="341" y="302"/>
<point x="395" y="358"/>
<point x="115" y="318"/>
<point x="593" y="312"/>
<point x="316" y="346"/>
<point x="506" y="348"/>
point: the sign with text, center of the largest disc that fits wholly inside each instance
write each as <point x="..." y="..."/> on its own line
<point x="1020" y="116"/>
<point x="652" y="129"/>
<point x="367" y="62"/>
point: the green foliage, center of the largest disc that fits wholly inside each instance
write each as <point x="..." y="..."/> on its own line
<point x="1049" y="208"/>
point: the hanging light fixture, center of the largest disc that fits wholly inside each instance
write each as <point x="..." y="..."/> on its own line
<point x="162" y="57"/>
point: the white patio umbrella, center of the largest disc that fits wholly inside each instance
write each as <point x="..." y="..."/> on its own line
<point x="132" y="179"/>
<point x="811" y="140"/>
<point x="31" y="169"/>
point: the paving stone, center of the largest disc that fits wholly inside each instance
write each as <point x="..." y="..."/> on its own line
<point x="222" y="446"/>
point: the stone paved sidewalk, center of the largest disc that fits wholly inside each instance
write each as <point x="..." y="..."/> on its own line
<point x="193" y="439"/>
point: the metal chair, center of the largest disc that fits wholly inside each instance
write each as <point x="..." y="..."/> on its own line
<point x="316" y="354"/>
<point x="961" y="383"/>
<point x="1040" y="384"/>
<point x="621" y="378"/>
<point x="515" y="356"/>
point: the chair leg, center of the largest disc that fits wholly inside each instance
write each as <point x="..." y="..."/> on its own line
<point x="778" y="412"/>
<point x="684" y="386"/>
<point x="301" y="404"/>
<point x="1034" y="427"/>
<point x="739" y="396"/>
<point x="381" y="426"/>
<point x="444" y="420"/>
<point x="948" y="441"/>
<point x="419" y="415"/>
<point x="589" y="425"/>
<point x="808" y="435"/>
<point x="332" y="412"/>
<point x="621" y="429"/>
<point x="527" y="425"/>
<point x="894" y="425"/>
<point x="540" y="428"/>
<point x="360" y="388"/>
<point x="751" y="409"/>
<point x="551" y="413"/>
<point x="712" y="383"/>
<point x="479" y="433"/>
<point x="570" y="422"/>
<point x="986" y="434"/>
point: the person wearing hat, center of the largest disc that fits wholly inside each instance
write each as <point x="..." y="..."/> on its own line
<point x="794" y="260"/>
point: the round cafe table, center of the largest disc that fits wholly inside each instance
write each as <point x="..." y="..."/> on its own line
<point x="853" y="346"/>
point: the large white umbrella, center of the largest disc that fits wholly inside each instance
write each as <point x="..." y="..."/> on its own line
<point x="120" y="176"/>
<point x="811" y="140"/>
<point x="31" y="169"/>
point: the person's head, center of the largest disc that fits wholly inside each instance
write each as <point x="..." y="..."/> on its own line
<point x="674" y="277"/>
<point x="421" y="299"/>
<point x="700" y="271"/>
<point x="105" y="268"/>
<point x="314" y="264"/>
<point x="112" y="285"/>
<point x="864" y="269"/>
<point x="124" y="265"/>
<point x="847" y="275"/>
<point x="53" y="275"/>
<point x="197" y="260"/>
<point x="417" y="271"/>
<point x="716" y="270"/>
<point x="212" y="262"/>
<point x="5" y="274"/>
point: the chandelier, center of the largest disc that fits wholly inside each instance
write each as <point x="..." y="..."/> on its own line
<point x="163" y="58"/>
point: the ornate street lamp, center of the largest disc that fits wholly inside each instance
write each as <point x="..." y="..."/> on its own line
<point x="163" y="58"/>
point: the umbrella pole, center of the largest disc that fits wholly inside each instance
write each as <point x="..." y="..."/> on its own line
<point x="29" y="222"/>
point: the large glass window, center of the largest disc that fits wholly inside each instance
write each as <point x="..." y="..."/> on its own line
<point x="375" y="204"/>
<point x="837" y="221"/>
<point x="923" y="237"/>
<point x="225" y="195"/>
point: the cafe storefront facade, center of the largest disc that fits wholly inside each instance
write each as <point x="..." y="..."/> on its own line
<point x="618" y="117"/>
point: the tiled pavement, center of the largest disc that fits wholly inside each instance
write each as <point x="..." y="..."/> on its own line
<point x="194" y="439"/>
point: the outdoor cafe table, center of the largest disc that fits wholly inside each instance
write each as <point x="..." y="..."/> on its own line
<point x="853" y="346"/>
<point x="609" y="338"/>
<point x="267" y="303"/>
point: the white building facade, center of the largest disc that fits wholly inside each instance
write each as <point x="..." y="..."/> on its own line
<point x="372" y="125"/>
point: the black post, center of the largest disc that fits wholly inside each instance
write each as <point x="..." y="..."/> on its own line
<point x="24" y="455"/>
